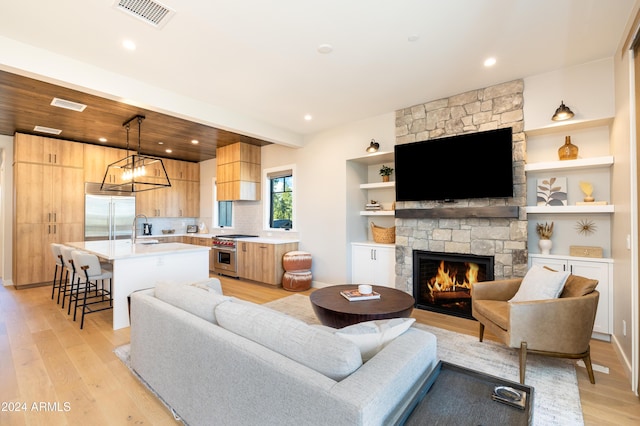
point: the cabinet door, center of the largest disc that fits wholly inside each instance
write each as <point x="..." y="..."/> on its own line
<point x="362" y="265"/>
<point x="30" y="254"/>
<point x="555" y="264"/>
<point x="373" y="265"/>
<point x="384" y="260"/>
<point x="32" y="198"/>
<point x="597" y="271"/>
<point x="68" y="194"/>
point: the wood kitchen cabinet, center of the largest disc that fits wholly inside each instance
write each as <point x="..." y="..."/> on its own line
<point x="49" y="204"/>
<point x="182" y="199"/>
<point x="238" y="172"/>
<point x="262" y="262"/>
<point x="96" y="160"/>
<point x="43" y="150"/>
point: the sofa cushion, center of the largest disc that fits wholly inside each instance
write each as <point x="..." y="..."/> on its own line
<point x="496" y="311"/>
<point x="315" y="348"/>
<point x="540" y="284"/>
<point x="372" y="336"/>
<point x="211" y="284"/>
<point x="198" y="301"/>
<point x="577" y="286"/>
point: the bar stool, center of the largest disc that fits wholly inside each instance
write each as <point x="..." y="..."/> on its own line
<point x="91" y="294"/>
<point x="59" y="262"/>
<point x="70" y="274"/>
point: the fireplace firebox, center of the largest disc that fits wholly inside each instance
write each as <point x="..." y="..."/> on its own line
<point x="442" y="281"/>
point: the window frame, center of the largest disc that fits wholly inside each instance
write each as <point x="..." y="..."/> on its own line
<point x="216" y="211"/>
<point x="266" y="196"/>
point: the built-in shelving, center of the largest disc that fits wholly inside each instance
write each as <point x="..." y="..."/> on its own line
<point x="609" y="208"/>
<point x="377" y="185"/>
<point x="378" y="213"/>
<point x="582" y="163"/>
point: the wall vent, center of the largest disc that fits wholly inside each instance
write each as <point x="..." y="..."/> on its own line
<point x="49" y="130"/>
<point x="149" y="11"/>
<point x="63" y="103"/>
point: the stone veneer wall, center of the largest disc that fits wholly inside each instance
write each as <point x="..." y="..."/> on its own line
<point x="491" y="108"/>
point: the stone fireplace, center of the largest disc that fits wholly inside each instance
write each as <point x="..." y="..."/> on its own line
<point x="495" y="228"/>
<point x="442" y="281"/>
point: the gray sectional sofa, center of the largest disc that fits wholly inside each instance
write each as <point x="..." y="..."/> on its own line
<point x="223" y="361"/>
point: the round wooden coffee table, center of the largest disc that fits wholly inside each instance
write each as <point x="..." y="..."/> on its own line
<point x="334" y="310"/>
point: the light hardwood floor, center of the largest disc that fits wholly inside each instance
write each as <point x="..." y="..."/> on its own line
<point x="53" y="373"/>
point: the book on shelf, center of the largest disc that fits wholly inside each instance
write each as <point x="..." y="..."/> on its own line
<point x="353" y="295"/>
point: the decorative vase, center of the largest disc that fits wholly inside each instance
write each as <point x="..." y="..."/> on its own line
<point x="568" y="151"/>
<point x="545" y="246"/>
<point x="385" y="178"/>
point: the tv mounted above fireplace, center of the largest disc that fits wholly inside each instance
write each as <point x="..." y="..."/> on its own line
<point x="472" y="165"/>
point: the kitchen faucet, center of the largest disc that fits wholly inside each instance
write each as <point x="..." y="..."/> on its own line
<point x="133" y="234"/>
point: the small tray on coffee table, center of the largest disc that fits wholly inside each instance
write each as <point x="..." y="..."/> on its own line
<point x="456" y="395"/>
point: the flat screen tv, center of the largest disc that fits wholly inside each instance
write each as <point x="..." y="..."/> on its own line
<point x="472" y="165"/>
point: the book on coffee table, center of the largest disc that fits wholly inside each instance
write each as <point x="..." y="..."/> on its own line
<point x="353" y="295"/>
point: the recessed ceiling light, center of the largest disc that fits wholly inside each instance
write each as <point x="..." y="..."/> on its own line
<point x="195" y="141"/>
<point x="489" y="62"/>
<point x="129" y="45"/>
<point x="160" y="143"/>
<point x="325" y="48"/>
<point x="102" y="139"/>
<point x="168" y="151"/>
<point x="308" y="117"/>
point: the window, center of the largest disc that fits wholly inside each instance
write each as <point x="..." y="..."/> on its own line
<point x="222" y="211"/>
<point x="280" y="196"/>
<point x="225" y="210"/>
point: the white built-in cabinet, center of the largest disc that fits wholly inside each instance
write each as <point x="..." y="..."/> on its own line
<point x="373" y="263"/>
<point x="593" y="165"/>
<point x="597" y="269"/>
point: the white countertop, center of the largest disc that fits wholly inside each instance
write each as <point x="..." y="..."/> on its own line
<point x="265" y="240"/>
<point x="122" y="249"/>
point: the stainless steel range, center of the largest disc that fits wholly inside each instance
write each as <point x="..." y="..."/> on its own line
<point x="225" y="261"/>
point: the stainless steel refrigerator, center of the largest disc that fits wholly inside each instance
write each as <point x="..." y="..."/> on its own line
<point x="107" y="215"/>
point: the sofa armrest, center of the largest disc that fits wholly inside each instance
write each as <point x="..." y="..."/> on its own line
<point x="389" y="380"/>
<point x="560" y="325"/>
<point x="495" y="290"/>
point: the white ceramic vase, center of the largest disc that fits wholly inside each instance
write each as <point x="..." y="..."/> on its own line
<point x="545" y="246"/>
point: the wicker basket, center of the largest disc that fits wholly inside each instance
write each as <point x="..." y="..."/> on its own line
<point x="383" y="235"/>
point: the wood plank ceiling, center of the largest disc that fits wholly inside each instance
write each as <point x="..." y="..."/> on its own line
<point x="26" y="103"/>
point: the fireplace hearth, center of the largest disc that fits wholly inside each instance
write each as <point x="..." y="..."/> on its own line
<point x="442" y="281"/>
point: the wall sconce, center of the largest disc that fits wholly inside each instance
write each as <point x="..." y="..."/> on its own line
<point x="373" y="146"/>
<point x="562" y="113"/>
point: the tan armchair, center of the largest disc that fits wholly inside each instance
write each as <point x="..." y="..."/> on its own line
<point x="559" y="327"/>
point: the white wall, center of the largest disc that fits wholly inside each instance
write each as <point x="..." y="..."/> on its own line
<point x="625" y="290"/>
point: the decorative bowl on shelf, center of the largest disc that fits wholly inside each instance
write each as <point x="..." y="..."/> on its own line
<point x="168" y="231"/>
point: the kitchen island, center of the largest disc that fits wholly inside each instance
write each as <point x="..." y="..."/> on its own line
<point x="142" y="265"/>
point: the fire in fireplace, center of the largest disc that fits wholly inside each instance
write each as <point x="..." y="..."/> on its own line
<point x="442" y="281"/>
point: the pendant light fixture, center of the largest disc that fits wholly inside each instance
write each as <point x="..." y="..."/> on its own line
<point x="373" y="146"/>
<point x="562" y="113"/>
<point x="136" y="172"/>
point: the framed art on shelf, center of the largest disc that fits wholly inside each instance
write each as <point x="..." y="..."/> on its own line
<point x="551" y="191"/>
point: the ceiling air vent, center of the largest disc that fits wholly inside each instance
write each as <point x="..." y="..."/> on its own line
<point x="63" y="103"/>
<point x="149" y="11"/>
<point x="43" y="129"/>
